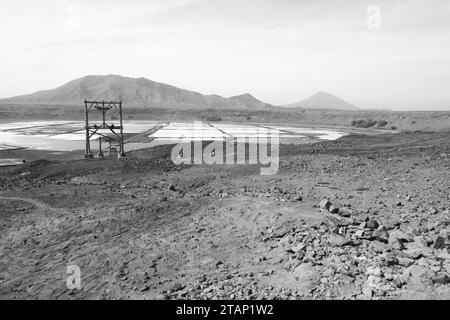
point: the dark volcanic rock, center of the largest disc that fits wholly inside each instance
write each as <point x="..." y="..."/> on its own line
<point x="325" y="204"/>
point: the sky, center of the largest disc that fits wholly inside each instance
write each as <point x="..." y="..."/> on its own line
<point x="375" y="54"/>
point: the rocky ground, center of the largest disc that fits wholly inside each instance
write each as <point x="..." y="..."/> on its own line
<point x="358" y="218"/>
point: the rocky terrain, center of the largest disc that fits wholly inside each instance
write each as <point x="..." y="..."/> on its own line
<point x="363" y="217"/>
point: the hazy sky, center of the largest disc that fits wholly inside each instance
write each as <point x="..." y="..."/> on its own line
<point x="281" y="51"/>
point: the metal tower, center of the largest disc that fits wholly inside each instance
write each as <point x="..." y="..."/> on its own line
<point x="92" y="129"/>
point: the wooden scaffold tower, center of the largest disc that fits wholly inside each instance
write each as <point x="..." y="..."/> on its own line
<point x="116" y="134"/>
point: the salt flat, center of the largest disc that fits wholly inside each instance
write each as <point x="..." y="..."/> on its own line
<point x="70" y="135"/>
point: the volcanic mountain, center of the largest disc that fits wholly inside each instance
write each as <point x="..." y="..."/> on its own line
<point x="324" y="100"/>
<point x="250" y="101"/>
<point x="134" y="92"/>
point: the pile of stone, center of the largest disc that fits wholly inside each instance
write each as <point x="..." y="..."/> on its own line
<point x="375" y="257"/>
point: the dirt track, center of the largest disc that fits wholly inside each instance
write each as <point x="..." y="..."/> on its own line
<point x="144" y="228"/>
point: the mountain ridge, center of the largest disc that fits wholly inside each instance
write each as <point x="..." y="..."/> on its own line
<point x="135" y="92"/>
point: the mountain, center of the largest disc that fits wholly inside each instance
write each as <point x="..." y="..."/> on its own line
<point x="324" y="100"/>
<point x="134" y="92"/>
<point x="250" y="101"/>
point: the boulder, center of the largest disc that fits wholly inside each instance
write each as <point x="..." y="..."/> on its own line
<point x="381" y="234"/>
<point x="325" y="204"/>
<point x="333" y="209"/>
<point x="345" y="212"/>
<point x="400" y="235"/>
<point x="372" y="224"/>
<point x="375" y="271"/>
<point x="390" y="259"/>
<point x="298" y="247"/>
<point x="334" y="221"/>
<point x="417" y="277"/>
<point x="439" y="242"/>
<point x="398" y="238"/>
<point x="443" y="254"/>
<point x="406" y="262"/>
<point x="367" y="292"/>
<point x="379" y="247"/>
<point x="336" y="240"/>
<point x="391" y="222"/>
<point x="373" y="282"/>
<point x="416" y="250"/>
<point x="307" y="276"/>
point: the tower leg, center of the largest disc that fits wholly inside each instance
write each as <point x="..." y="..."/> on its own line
<point x="88" y="153"/>
<point x="100" y="151"/>
<point x="122" y="151"/>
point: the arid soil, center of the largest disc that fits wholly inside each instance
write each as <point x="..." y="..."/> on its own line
<point x="363" y="217"/>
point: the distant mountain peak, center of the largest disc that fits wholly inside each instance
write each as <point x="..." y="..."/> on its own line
<point x="324" y="94"/>
<point x="324" y="100"/>
<point x="250" y="101"/>
<point x="247" y="95"/>
<point x="244" y="95"/>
